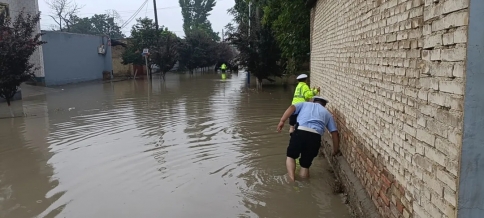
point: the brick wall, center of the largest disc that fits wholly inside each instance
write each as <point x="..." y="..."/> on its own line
<point x="393" y="71"/>
<point x="28" y="6"/>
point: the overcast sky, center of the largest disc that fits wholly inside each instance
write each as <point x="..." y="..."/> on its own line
<point x="169" y="12"/>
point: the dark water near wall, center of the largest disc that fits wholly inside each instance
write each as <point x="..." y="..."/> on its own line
<point x="195" y="146"/>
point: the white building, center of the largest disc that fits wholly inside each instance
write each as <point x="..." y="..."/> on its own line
<point x="28" y="6"/>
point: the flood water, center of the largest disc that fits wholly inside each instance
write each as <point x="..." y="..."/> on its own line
<point x="194" y="146"/>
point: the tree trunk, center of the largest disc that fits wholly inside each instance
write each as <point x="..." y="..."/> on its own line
<point x="163" y="76"/>
<point x="9" y="108"/>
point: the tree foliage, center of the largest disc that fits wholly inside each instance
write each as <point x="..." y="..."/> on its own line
<point x="18" y="41"/>
<point x="196" y="50"/>
<point x="195" y="17"/>
<point x="290" y="23"/>
<point x="257" y="45"/>
<point x="98" y="24"/>
<point x="162" y="44"/>
<point x="143" y="35"/>
<point x="273" y="39"/>
<point x="165" y="53"/>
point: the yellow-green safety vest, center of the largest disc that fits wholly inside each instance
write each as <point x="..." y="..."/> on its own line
<point x="303" y="93"/>
<point x="223" y="67"/>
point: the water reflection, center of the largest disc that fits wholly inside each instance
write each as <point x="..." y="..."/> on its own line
<point x="25" y="176"/>
<point x="193" y="146"/>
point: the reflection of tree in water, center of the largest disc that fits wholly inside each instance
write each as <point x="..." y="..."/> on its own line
<point x="158" y="110"/>
<point x="197" y="108"/>
<point x="24" y="172"/>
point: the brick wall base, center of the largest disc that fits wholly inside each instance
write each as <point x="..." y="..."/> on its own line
<point x="359" y="200"/>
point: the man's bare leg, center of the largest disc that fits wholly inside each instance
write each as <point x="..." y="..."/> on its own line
<point x="304" y="173"/>
<point x="291" y="168"/>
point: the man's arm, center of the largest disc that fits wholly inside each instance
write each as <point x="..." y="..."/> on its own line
<point x="308" y="93"/>
<point x="290" y="111"/>
<point x="335" y="137"/>
<point x="331" y="126"/>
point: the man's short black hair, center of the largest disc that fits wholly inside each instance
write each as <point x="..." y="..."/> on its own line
<point x="321" y="101"/>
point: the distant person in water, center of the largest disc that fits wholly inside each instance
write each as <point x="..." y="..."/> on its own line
<point x="305" y="141"/>
<point x="302" y="94"/>
<point x="223" y="67"/>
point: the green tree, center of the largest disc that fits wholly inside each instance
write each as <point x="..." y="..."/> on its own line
<point x="143" y="35"/>
<point x="165" y="53"/>
<point x="18" y="41"/>
<point x="162" y="44"/>
<point x="195" y="16"/>
<point x="196" y="50"/>
<point x="99" y="24"/>
<point x="258" y="48"/>
<point x="290" y="23"/>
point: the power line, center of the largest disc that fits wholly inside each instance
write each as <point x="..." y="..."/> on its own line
<point x="134" y="15"/>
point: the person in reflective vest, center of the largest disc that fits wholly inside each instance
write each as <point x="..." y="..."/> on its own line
<point x="302" y="94"/>
<point x="223" y="68"/>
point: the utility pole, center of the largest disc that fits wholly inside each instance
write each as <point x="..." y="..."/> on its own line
<point x="157" y="28"/>
<point x="248" y="73"/>
<point x="156" y="15"/>
<point x="223" y="35"/>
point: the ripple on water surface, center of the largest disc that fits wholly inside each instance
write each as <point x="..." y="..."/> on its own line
<point x="195" y="146"/>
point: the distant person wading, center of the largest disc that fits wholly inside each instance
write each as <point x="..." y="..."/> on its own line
<point x="223" y="68"/>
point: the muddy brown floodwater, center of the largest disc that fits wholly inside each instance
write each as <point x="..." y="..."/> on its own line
<point x="195" y="146"/>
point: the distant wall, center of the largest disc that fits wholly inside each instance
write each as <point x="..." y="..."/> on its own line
<point x="71" y="58"/>
<point x="119" y="69"/>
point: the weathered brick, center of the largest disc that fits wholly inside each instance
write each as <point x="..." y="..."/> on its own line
<point x="448" y="39"/>
<point x="452" y="86"/>
<point x="454" y="5"/>
<point x="453" y="54"/>
<point x="432" y="41"/>
<point x="435" y="155"/>
<point x="425" y="136"/>
<point x="423" y="162"/>
<point x="460" y="35"/>
<point x="452" y="20"/>
<point x="428" y="83"/>
<point x="442" y="205"/>
<point x="458" y="70"/>
<point x="435" y="55"/>
<point x="441" y="69"/>
<point x="444" y="146"/>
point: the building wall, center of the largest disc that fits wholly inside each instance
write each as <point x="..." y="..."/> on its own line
<point x="28" y="6"/>
<point x="119" y="69"/>
<point x="71" y="58"/>
<point x="393" y="71"/>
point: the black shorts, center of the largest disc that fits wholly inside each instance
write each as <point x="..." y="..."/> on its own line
<point x="293" y="120"/>
<point x="306" y="144"/>
<point x="223" y="70"/>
